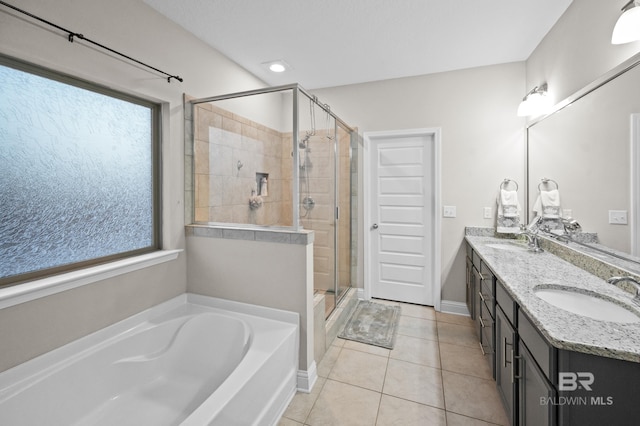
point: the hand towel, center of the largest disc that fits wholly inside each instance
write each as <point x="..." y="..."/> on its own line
<point x="508" y="212"/>
<point x="547" y="204"/>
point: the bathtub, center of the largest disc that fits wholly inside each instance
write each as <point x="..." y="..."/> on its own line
<point x="191" y="361"/>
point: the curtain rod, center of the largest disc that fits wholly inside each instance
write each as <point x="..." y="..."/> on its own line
<point x="72" y="35"/>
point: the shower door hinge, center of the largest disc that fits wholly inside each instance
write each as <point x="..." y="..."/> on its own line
<point x="337" y="213"/>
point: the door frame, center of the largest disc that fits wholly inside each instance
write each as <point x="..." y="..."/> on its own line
<point x="435" y="274"/>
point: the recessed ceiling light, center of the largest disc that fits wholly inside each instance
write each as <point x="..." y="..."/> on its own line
<point x="277" y="66"/>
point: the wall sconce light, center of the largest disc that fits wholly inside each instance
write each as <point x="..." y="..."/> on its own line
<point x="536" y="102"/>
<point x="627" y="28"/>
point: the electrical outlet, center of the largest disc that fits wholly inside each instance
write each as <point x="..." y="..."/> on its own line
<point x="618" y="217"/>
<point x="487" y="213"/>
<point x="449" y="211"/>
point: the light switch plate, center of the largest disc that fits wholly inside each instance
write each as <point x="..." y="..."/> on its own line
<point x="487" y="212"/>
<point x="449" y="211"/>
<point x="618" y="217"/>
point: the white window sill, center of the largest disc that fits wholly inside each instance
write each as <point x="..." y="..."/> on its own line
<point x="32" y="290"/>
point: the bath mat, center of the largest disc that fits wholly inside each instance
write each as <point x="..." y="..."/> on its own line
<point x="372" y="323"/>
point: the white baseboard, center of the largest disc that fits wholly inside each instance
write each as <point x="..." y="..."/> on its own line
<point x="360" y="294"/>
<point x="306" y="379"/>
<point x="451" y="307"/>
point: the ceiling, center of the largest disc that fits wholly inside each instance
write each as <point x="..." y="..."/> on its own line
<point x="338" y="42"/>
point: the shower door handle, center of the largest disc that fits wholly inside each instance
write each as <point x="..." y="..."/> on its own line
<point x="374" y="226"/>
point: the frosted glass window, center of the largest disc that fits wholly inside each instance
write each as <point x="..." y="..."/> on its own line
<point x="76" y="176"/>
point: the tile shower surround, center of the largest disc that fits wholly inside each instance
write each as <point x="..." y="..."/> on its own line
<point x="222" y="141"/>
<point x="221" y="190"/>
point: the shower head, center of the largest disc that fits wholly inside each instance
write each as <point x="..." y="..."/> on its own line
<point x="303" y="142"/>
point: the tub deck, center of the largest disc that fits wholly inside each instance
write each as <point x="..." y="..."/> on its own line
<point x="193" y="360"/>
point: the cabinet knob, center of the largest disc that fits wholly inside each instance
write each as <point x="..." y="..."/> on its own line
<point x="374" y="226"/>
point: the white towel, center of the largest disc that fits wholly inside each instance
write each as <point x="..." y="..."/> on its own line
<point x="508" y="212"/>
<point x="547" y="204"/>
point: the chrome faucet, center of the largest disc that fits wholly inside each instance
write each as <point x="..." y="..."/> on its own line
<point x="634" y="282"/>
<point x="531" y="232"/>
<point x="570" y="225"/>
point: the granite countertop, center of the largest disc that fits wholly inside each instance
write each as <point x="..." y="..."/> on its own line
<point x="522" y="270"/>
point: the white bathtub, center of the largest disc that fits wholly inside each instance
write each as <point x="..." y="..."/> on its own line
<point x="184" y="362"/>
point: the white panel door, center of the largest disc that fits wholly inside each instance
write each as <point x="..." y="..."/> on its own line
<point x="402" y="217"/>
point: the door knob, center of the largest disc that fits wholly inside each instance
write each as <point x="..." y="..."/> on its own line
<point x="374" y="226"/>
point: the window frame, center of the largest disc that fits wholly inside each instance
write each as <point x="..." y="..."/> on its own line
<point x="156" y="168"/>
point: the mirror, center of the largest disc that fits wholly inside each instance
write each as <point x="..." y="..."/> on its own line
<point x="585" y="147"/>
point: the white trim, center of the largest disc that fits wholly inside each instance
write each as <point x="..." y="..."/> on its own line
<point x="32" y="290"/>
<point x="437" y="206"/>
<point x="452" y="307"/>
<point x="437" y="175"/>
<point x="360" y="294"/>
<point x="634" y="211"/>
<point x="307" y="379"/>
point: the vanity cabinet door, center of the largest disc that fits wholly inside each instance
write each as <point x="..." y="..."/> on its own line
<point x="504" y="355"/>
<point x="536" y="395"/>
<point x="477" y="303"/>
<point x="471" y="288"/>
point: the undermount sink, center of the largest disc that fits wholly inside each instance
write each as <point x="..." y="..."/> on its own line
<point x="507" y="246"/>
<point x="587" y="304"/>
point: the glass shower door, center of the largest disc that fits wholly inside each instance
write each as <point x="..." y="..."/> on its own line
<point x="325" y="196"/>
<point x="316" y="174"/>
<point x="344" y="191"/>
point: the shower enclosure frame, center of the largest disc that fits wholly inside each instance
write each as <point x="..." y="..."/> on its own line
<point x="296" y="91"/>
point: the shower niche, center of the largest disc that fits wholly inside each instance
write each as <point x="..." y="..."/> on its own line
<point x="262" y="183"/>
<point x="276" y="158"/>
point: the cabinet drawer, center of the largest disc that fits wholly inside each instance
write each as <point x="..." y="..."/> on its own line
<point x="543" y="353"/>
<point x="486" y="271"/>
<point x="506" y="302"/>
<point x="485" y="320"/>
<point x="487" y="300"/>
<point x="476" y="260"/>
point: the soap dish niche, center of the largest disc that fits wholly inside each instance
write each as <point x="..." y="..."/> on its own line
<point x="262" y="184"/>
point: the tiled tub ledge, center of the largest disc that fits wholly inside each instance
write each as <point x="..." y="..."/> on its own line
<point x="273" y="235"/>
<point x="521" y="271"/>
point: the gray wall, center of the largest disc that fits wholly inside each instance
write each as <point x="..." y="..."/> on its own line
<point x="578" y="48"/>
<point x="482" y="140"/>
<point x="32" y="328"/>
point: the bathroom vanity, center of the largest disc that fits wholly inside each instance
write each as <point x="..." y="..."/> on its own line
<point x="553" y="366"/>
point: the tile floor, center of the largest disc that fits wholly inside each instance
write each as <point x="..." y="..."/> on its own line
<point x="435" y="375"/>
